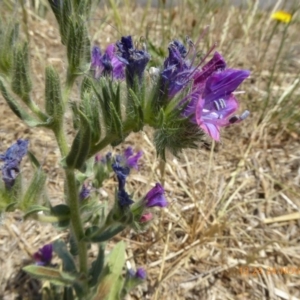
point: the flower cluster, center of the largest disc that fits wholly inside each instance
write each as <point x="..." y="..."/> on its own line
<point x="122" y="164"/>
<point x="210" y="102"/>
<point x="12" y="159"/>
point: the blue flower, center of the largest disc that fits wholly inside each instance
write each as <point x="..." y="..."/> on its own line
<point x="44" y="255"/>
<point x="124" y="199"/>
<point x="84" y="192"/>
<point x="122" y="173"/>
<point x="176" y="71"/>
<point x="12" y="159"/>
<point x="135" y="60"/>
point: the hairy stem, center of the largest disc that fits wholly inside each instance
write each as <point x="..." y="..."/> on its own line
<point x="101" y="145"/>
<point x="61" y="141"/>
<point x="77" y="227"/>
<point x="35" y="108"/>
<point x="110" y="138"/>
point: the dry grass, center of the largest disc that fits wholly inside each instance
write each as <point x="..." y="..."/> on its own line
<point x="231" y="230"/>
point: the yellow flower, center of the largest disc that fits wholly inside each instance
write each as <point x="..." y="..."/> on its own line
<point x="282" y="16"/>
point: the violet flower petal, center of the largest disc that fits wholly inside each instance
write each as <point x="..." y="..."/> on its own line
<point x="217" y="63"/>
<point x="222" y="84"/>
<point x="156" y="197"/>
<point x="141" y="273"/>
<point x="44" y="255"/>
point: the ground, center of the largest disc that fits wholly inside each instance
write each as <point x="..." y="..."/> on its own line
<point x="231" y="230"/>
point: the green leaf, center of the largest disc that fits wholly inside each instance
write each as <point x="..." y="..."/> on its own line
<point x="9" y="196"/>
<point x="91" y="108"/>
<point x="21" y="83"/>
<point x="105" y="99"/>
<point x="11" y="206"/>
<point x="115" y="91"/>
<point x="117" y="125"/>
<point x="81" y="145"/>
<point x="111" y="281"/>
<point x="73" y="245"/>
<point x="60" y="247"/>
<point x="78" y="46"/>
<point x="34" y="190"/>
<point x="54" y="104"/>
<point x="97" y="266"/>
<point x="95" y="237"/>
<point x="33" y="160"/>
<point x="62" y="211"/>
<point x="75" y="115"/>
<point x="83" y="7"/>
<point x="68" y="293"/>
<point x="8" y="36"/>
<point x="138" y="115"/>
<point x="86" y="86"/>
<point x="62" y="14"/>
<point x="34" y="209"/>
<point x="53" y="275"/>
<point x="19" y="111"/>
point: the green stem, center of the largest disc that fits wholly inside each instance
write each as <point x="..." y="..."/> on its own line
<point x="105" y="142"/>
<point x="61" y="141"/>
<point x="110" y="138"/>
<point x="34" y="107"/>
<point x="36" y="110"/>
<point x="77" y="227"/>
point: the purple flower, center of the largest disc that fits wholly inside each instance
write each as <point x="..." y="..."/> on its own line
<point x="156" y="197"/>
<point x="210" y="103"/>
<point x="107" y="64"/>
<point x="12" y="159"/>
<point x="122" y="173"/>
<point x="44" y="255"/>
<point x="135" y="60"/>
<point x="84" y="192"/>
<point x="141" y="274"/>
<point x="216" y="64"/>
<point x="176" y="72"/>
<point x="216" y="103"/>
<point x="131" y="159"/>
